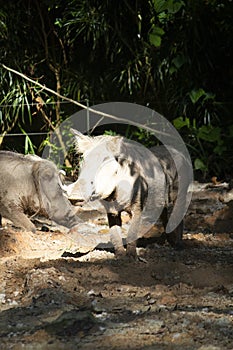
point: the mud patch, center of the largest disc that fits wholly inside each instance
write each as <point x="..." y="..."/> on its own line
<point x="56" y="294"/>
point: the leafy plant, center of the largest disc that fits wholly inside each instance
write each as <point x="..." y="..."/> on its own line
<point x="166" y="54"/>
<point x="208" y="146"/>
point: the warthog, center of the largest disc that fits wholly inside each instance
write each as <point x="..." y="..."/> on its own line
<point x="125" y="176"/>
<point x="31" y="185"/>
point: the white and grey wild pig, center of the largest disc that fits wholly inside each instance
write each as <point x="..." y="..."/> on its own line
<point x="31" y="185"/>
<point x="125" y="176"/>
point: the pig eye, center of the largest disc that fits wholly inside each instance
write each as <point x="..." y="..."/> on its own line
<point x="92" y="182"/>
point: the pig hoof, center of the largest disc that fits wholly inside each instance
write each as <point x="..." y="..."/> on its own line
<point x="131" y="251"/>
<point x="120" y="253"/>
<point x="125" y="258"/>
<point x="175" y="241"/>
<point x="132" y="257"/>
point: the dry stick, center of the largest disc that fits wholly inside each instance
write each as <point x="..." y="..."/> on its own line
<point x="102" y="114"/>
<point x="75" y="102"/>
<point x="61" y="96"/>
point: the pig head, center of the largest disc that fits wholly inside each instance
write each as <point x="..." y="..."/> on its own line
<point x="31" y="185"/>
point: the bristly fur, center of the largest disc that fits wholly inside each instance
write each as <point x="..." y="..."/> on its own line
<point x="151" y="191"/>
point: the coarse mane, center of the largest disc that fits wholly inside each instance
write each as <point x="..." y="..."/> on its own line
<point x="140" y="157"/>
<point x="126" y="152"/>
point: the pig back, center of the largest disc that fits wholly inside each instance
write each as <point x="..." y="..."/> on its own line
<point x="15" y="177"/>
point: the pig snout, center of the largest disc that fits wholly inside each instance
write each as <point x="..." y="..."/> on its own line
<point x="74" y="191"/>
<point x="81" y="190"/>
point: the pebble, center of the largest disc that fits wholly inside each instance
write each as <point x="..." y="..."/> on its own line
<point x="205" y="309"/>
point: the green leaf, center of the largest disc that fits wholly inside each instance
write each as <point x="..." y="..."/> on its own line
<point x="209" y="96"/>
<point x="199" y="165"/>
<point x="157" y="30"/>
<point x="180" y="122"/>
<point x="160" y="5"/>
<point x="179" y="60"/>
<point x="177" y="63"/>
<point x="195" y="95"/>
<point x="174" y="6"/>
<point x="28" y="145"/>
<point x="155" y="40"/>
<point x="171" y="6"/>
<point x="219" y="149"/>
<point x="209" y="133"/>
<point x="155" y="35"/>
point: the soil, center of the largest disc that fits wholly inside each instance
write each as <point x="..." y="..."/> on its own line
<point x="63" y="293"/>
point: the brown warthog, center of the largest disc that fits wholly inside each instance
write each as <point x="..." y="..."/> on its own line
<point x="30" y="185"/>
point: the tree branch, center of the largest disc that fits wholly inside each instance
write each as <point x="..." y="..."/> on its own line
<point x="92" y="110"/>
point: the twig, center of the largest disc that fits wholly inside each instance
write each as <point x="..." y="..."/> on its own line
<point x="64" y="97"/>
<point x="92" y="110"/>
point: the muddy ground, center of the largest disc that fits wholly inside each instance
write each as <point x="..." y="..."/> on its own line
<point x="55" y="294"/>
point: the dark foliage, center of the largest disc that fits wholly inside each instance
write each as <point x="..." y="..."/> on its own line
<point x="174" y="56"/>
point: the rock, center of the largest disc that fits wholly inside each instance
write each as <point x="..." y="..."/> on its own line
<point x="72" y="323"/>
<point x="210" y="209"/>
<point x="151" y="326"/>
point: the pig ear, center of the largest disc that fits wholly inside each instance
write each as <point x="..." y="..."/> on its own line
<point x="82" y="142"/>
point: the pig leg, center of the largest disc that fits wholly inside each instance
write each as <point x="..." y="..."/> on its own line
<point x="115" y="223"/>
<point x="132" y="236"/>
<point x="174" y="238"/>
<point x="164" y="219"/>
<point x="19" y="219"/>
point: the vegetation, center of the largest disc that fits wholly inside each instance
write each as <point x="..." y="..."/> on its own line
<point x="171" y="55"/>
